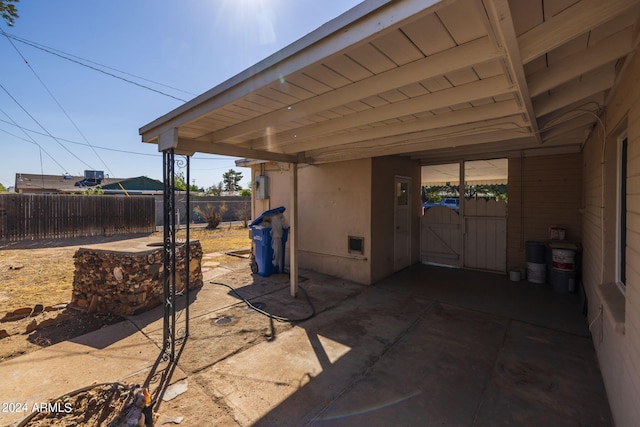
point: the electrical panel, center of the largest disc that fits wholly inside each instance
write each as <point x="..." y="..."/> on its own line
<point x="262" y="187"/>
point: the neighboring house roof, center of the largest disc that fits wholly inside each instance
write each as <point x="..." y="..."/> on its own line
<point x="26" y="183"/>
<point x="138" y="185"/>
<point x="436" y="81"/>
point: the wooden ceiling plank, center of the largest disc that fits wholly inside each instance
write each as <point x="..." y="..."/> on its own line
<point x="568" y="24"/>
<point x="470" y="115"/>
<point x="463" y="56"/>
<point x="462" y="20"/>
<point x="573" y="66"/>
<point x="561" y="98"/>
<point x="352" y="153"/>
<point x="327" y="76"/>
<point x="348" y="68"/>
<point x="579" y="124"/>
<point x="465" y="93"/>
<point x="429" y="35"/>
<point x="397" y="47"/>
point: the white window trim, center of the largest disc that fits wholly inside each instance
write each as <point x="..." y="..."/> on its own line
<point x="621" y="286"/>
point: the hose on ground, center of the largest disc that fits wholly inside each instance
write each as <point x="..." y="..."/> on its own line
<point x="265" y="313"/>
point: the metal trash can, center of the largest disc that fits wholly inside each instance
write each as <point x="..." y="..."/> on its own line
<point x="261" y="237"/>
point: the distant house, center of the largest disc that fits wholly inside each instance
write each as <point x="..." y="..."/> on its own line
<point x="50" y="184"/>
<point x="135" y="186"/>
<point x="66" y="184"/>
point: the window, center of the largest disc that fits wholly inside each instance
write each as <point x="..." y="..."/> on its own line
<point x="621" y="247"/>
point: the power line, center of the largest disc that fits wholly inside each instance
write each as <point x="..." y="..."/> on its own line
<point x="31" y="140"/>
<point x="74" y="142"/>
<point x="95" y="68"/>
<point x="195" y="157"/>
<point x="43" y="128"/>
<point x="39" y="45"/>
<point x="56" y="101"/>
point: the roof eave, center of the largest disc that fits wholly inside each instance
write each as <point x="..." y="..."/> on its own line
<point x="354" y="26"/>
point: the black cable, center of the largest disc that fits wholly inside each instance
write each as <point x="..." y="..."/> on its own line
<point x="55" y="100"/>
<point x="32" y="141"/>
<point x="66" y="54"/>
<point x="265" y="313"/>
<point x="97" y="69"/>
<point x="43" y="128"/>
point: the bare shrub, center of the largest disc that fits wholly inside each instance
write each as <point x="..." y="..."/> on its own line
<point x="212" y="215"/>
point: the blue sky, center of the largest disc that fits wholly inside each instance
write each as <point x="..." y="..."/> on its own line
<point x="187" y="46"/>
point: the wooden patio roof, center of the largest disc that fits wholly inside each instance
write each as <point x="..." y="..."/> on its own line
<point x="433" y="80"/>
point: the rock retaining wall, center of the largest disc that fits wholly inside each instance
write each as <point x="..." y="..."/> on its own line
<point x="127" y="283"/>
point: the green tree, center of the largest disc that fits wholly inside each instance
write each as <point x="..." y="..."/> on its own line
<point x="2" y="188"/>
<point x="231" y="180"/>
<point x="8" y="11"/>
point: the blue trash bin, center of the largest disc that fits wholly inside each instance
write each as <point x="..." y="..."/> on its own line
<point x="261" y="237"/>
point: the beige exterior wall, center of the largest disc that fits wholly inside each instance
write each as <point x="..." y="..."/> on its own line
<point x="544" y="191"/>
<point x="338" y="200"/>
<point x="334" y="202"/>
<point x="384" y="170"/>
<point x="614" y="315"/>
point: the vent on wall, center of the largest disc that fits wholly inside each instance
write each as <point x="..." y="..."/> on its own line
<point x="356" y="245"/>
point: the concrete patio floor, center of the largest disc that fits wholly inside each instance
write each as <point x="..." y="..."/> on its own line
<point x="428" y="346"/>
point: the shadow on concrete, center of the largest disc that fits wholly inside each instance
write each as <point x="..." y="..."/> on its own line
<point x="104" y="340"/>
<point x="161" y="373"/>
<point x="70" y="241"/>
<point x="428" y="346"/>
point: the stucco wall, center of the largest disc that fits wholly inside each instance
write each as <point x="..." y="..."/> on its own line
<point x="333" y="203"/>
<point x="614" y="315"/>
<point x="384" y="170"/>
<point x="544" y="191"/>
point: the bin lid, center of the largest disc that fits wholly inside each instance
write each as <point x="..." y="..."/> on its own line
<point x="265" y="214"/>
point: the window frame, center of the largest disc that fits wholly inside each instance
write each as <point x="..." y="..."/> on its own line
<point x="621" y="211"/>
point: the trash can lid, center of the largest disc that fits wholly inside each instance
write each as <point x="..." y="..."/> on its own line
<point x="265" y="214"/>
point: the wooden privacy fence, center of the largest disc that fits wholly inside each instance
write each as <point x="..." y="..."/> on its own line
<point x="45" y="216"/>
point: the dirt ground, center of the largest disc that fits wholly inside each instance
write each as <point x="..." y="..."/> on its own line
<point x="38" y="275"/>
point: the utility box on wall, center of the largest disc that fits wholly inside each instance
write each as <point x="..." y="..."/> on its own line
<point x="262" y="187"/>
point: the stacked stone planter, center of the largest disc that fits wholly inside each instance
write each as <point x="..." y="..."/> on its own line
<point x="127" y="283"/>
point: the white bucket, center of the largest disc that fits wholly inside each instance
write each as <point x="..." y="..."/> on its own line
<point x="536" y="273"/>
<point x="563" y="259"/>
<point x="514" y="275"/>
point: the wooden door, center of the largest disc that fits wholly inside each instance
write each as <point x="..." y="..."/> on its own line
<point x="440" y="237"/>
<point x="485" y="239"/>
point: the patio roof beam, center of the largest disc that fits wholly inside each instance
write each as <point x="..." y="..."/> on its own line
<point x="577" y="19"/>
<point x="454" y="118"/>
<point x="466" y="93"/>
<point x="460" y="57"/>
<point x="568" y="95"/>
<point x="501" y="21"/>
<point x="198" y="146"/>
<point x="575" y="65"/>
<point x="404" y="144"/>
<point x="494" y="149"/>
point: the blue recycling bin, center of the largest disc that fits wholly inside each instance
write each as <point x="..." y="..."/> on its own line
<point x="261" y="237"/>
